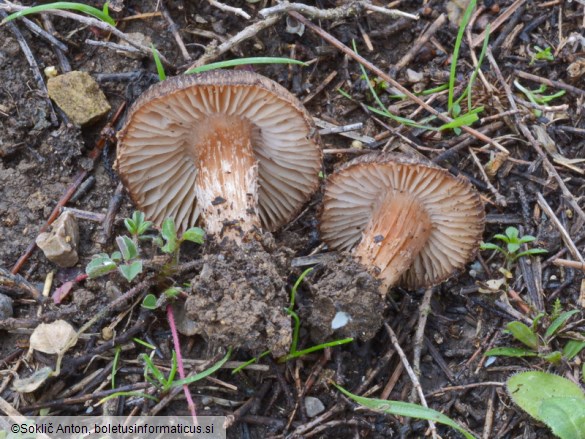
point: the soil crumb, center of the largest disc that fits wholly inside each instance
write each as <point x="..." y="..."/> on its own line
<point x="238" y="298"/>
<point x="343" y="301"/>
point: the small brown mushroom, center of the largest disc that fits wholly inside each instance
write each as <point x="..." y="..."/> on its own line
<point x="411" y="221"/>
<point x="230" y="147"/>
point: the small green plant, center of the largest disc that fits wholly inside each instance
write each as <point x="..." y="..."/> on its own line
<point x="399" y="408"/>
<point x="127" y="260"/>
<point x="166" y="383"/>
<point x="537" y="97"/>
<point x="513" y="241"/>
<point x="551" y="399"/>
<point x="537" y="345"/>
<point x="103" y="15"/>
<point x="541" y="55"/>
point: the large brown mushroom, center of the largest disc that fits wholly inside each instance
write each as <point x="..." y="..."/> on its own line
<point x="411" y="221"/>
<point x="231" y="148"/>
<point x="236" y="153"/>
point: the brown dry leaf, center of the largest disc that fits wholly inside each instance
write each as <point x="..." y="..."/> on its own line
<point x="33" y="382"/>
<point x="53" y="338"/>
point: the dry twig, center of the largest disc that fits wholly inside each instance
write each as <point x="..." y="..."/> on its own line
<point x="411" y="374"/>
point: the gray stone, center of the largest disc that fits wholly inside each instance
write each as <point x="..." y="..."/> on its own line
<point x="79" y="96"/>
<point x="5" y="307"/>
<point x="313" y="406"/>
<point x="60" y="244"/>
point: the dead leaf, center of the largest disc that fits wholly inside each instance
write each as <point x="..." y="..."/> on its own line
<point x="53" y="338"/>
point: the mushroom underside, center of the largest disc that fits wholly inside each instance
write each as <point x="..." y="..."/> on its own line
<point x="222" y="153"/>
<point x="413" y="224"/>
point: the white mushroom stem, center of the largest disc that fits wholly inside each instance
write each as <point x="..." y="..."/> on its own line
<point x="398" y="230"/>
<point x="227" y="182"/>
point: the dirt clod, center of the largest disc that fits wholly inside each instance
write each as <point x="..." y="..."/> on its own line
<point x="238" y="299"/>
<point x="79" y="96"/>
<point x="344" y="301"/>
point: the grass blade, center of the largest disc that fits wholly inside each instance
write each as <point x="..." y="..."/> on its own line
<point x="244" y="61"/>
<point x="89" y="10"/>
<point x="400" y="408"/>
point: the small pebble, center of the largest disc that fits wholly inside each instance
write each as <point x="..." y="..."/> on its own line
<point x="313" y="406"/>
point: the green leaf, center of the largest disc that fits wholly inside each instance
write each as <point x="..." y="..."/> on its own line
<point x="194" y="234"/>
<point x="127" y="248"/>
<point x="150" y="366"/>
<point x="454" y="57"/>
<point x="172" y="292"/>
<point x="554" y="357"/>
<point x="159" y="67"/>
<point x="399" y="408"/>
<point x="558" y="323"/>
<point x="169" y="233"/>
<point x="512" y="233"/>
<point x="116" y="256"/>
<point x="524" y="334"/>
<point x="205" y="373"/>
<point x="572" y="349"/>
<point x="149" y="301"/>
<point x="89" y="10"/>
<point x="564" y="416"/>
<point x="531" y="252"/>
<point x="510" y="352"/>
<point x="501" y="237"/>
<point x="526" y="238"/>
<point x="490" y="246"/>
<point x="100" y="266"/>
<point x="530" y="389"/>
<point x="130" y="271"/>
<point x="244" y="61"/>
<point x="513" y="247"/>
<point x="130" y="226"/>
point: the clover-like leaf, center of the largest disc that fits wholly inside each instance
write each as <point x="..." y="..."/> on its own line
<point x="130" y="271"/>
<point x="100" y="266"/>
<point x="194" y="234"/>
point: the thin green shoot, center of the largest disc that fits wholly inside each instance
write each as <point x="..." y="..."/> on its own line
<point x="145" y="344"/>
<point x="159" y="67"/>
<point x="120" y="394"/>
<point x="102" y="15"/>
<point x="205" y="373"/>
<point x="542" y="55"/>
<point x="427" y="92"/>
<point x="244" y="61"/>
<point x="536" y="96"/>
<point x="464" y="21"/>
<point x="115" y="365"/>
<point x="294" y="353"/>
<point x="165" y="383"/>
<point x="251" y="361"/>
<point x="462" y="120"/>
<point x="320" y="347"/>
<point x="467" y="93"/>
<point x="289" y="310"/>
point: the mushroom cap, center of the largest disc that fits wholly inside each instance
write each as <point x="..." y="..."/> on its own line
<point x="353" y="195"/>
<point x="158" y="158"/>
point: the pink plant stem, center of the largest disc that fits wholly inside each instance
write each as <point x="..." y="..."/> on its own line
<point x="190" y="403"/>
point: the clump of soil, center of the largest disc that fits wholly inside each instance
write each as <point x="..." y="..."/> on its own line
<point x="344" y="300"/>
<point x="238" y="298"/>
